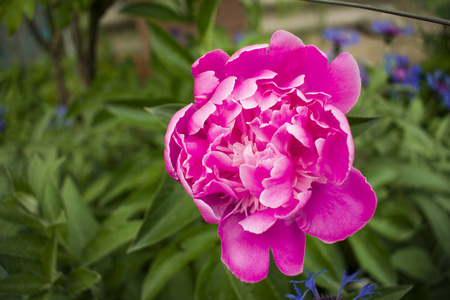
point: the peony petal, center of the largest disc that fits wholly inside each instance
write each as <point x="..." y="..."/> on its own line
<point x="247" y="61"/>
<point x="172" y="149"/>
<point x="344" y="83"/>
<point x="204" y="86"/>
<point x="283" y="42"/>
<point x="259" y="221"/>
<point x="246" y="254"/>
<point x="336" y="211"/>
<point x="211" y="61"/>
<point x="278" y="187"/>
<point x="287" y="242"/>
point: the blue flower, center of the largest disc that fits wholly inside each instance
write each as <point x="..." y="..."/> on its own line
<point x="366" y="291"/>
<point x="341" y="37"/>
<point x="2" y="121"/>
<point x="390" y="30"/>
<point x="440" y="83"/>
<point x="400" y="71"/>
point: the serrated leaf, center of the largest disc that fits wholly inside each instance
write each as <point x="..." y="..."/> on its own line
<point x="108" y="240"/>
<point x="82" y="279"/>
<point x="157" y="11"/>
<point x="173" y="209"/>
<point x="81" y="223"/>
<point x="216" y="282"/>
<point x="21" y="284"/>
<point x="175" y="256"/>
<point x="164" y="113"/>
<point x="415" y="262"/>
<point x="437" y="218"/>
<point x="373" y="256"/>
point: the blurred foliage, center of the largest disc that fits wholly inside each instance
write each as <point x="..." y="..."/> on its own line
<point x="88" y="212"/>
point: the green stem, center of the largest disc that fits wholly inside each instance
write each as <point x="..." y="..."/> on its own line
<point x="386" y="11"/>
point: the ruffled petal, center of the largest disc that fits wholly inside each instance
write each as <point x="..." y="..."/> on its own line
<point x="259" y="221"/>
<point x="335" y="212"/>
<point x="178" y="124"/>
<point x="247" y="61"/>
<point x="246" y="254"/>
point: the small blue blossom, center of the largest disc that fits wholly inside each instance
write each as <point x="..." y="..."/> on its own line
<point x="389" y="30"/>
<point x="440" y="83"/>
<point x="366" y="291"/>
<point x="364" y="74"/>
<point x="401" y="72"/>
<point x="341" y="37"/>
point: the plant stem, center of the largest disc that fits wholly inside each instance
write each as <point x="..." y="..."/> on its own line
<point x="386" y="11"/>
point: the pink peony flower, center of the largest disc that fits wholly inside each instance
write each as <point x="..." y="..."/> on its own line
<point x="266" y="152"/>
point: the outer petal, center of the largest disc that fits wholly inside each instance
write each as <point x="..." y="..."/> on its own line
<point x="336" y="211"/>
<point x="287" y="242"/>
<point x="246" y="254"/>
<point x="178" y="124"/>
<point x="344" y="84"/>
<point x="211" y="61"/>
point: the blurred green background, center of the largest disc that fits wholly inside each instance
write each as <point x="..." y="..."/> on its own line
<point x="87" y="88"/>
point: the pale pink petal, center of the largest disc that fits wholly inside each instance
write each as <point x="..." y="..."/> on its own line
<point x="336" y="211"/>
<point x="278" y="187"/>
<point x="259" y="221"/>
<point x="246" y="254"/>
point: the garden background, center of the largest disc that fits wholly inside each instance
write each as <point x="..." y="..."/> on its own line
<point x="87" y="88"/>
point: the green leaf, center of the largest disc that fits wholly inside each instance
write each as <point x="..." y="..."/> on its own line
<point x="360" y="124"/>
<point x="164" y="113"/>
<point x="173" y="209"/>
<point x="437" y="218"/>
<point x="205" y="22"/>
<point x="19" y="216"/>
<point x="82" y="279"/>
<point x="134" y="116"/>
<point x="81" y="223"/>
<point x="170" y="53"/>
<point x="48" y="258"/>
<point x="415" y="262"/>
<point x="108" y="240"/>
<point x="22" y="284"/>
<point x="175" y="256"/>
<point x="420" y="177"/>
<point x="157" y="11"/>
<point x="396" y="220"/>
<point x="391" y="293"/>
<point x="373" y="256"/>
<point x="23" y="246"/>
<point x="321" y="256"/>
<point x="216" y="282"/>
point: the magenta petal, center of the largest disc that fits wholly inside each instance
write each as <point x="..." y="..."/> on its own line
<point x="283" y="41"/>
<point x="204" y="85"/>
<point x="336" y="211"/>
<point x="244" y="253"/>
<point x="211" y="61"/>
<point x="259" y="221"/>
<point x="178" y="123"/>
<point x="287" y="242"/>
<point x="247" y="61"/>
<point x="344" y="82"/>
